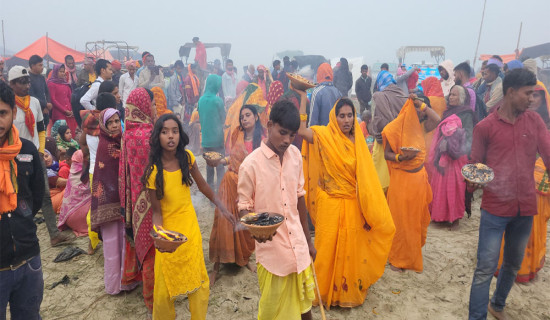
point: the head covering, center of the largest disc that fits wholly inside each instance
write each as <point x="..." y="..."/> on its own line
<point x="324" y="73"/>
<point x="496" y="62"/>
<point x="464" y="107"/>
<point x="447" y="84"/>
<point x="56" y="126"/>
<point x="129" y="63"/>
<point x="8" y="171"/>
<point x="160" y="101"/>
<point x="109" y="112"/>
<point x="17" y="72"/>
<point x="54" y="76"/>
<point x="400" y="71"/>
<point x="116" y="64"/>
<point x="432" y="87"/>
<point x="514" y="64"/>
<point x="384" y="79"/>
<point x="138" y="106"/>
<point x="276" y="91"/>
<point x="531" y="65"/>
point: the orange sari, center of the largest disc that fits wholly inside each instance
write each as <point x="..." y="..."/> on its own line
<point x="227" y="245"/>
<point x="409" y="193"/>
<point x="343" y="193"/>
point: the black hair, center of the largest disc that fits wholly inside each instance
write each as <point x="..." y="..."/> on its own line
<point x="344" y="65"/>
<point x="344" y="102"/>
<point x="150" y="93"/>
<point x="34" y="59"/>
<point x="286" y="58"/>
<point x="155" y="156"/>
<point x="285" y="114"/>
<point x="384" y="66"/>
<point x="464" y="67"/>
<point x="484" y="63"/>
<point x="61" y="131"/>
<point x="179" y="63"/>
<point x="68" y="57"/>
<point x="493" y="68"/>
<point x="518" y="78"/>
<point x="276" y="63"/>
<point x="195" y="66"/>
<point x="426" y="100"/>
<point x="144" y="54"/>
<point x="364" y="67"/>
<point x="6" y="95"/>
<point x="107" y="86"/>
<point x="258" y="129"/>
<point x="100" y="64"/>
<point x="228" y="61"/>
<point x="496" y="56"/>
<point x="105" y="100"/>
<point x="70" y="152"/>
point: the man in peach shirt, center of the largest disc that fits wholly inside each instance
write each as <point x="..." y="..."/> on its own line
<point x="271" y="180"/>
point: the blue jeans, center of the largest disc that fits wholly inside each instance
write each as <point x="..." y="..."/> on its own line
<point x="23" y="289"/>
<point x="516" y="232"/>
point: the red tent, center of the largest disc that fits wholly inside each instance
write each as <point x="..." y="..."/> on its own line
<point x="48" y="49"/>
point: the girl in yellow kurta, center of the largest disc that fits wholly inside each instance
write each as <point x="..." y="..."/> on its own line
<point x="181" y="272"/>
<point x="353" y="225"/>
<point x="409" y="193"/>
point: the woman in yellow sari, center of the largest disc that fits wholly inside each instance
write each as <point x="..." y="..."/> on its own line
<point x="409" y="193"/>
<point x="535" y="252"/>
<point x="353" y="224"/>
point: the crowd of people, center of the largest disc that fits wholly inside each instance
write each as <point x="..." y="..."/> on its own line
<point x="111" y="154"/>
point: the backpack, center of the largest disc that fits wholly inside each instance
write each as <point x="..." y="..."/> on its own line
<point x="77" y="94"/>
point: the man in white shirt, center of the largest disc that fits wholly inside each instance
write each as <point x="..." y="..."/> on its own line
<point x="128" y="81"/>
<point x="229" y="81"/>
<point x="104" y="72"/>
<point x="29" y="121"/>
<point x="151" y="76"/>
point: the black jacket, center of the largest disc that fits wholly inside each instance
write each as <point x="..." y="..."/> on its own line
<point x="18" y="240"/>
<point x="343" y="81"/>
<point x="362" y="89"/>
<point x="39" y="89"/>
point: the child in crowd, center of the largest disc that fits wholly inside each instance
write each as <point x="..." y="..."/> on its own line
<point x="366" y="117"/>
<point x="65" y="139"/>
<point x="57" y="183"/>
<point x="283" y="260"/>
<point x="168" y="177"/>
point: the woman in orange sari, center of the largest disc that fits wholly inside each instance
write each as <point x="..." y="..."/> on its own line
<point x="227" y="245"/>
<point x="353" y="224"/>
<point x="409" y="193"/>
<point x="535" y="253"/>
<point x="160" y="101"/>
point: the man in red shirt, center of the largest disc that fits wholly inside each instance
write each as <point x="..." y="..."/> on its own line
<point x="508" y="141"/>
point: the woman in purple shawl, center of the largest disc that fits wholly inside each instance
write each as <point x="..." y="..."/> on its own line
<point x="449" y="153"/>
<point x="60" y="93"/>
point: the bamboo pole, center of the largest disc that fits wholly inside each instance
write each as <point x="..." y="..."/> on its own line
<point x="519" y="37"/>
<point x="3" y="40"/>
<point x="479" y="35"/>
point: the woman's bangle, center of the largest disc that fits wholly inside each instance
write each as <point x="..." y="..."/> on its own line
<point x="397" y="157"/>
<point x="303" y="117"/>
<point x="423" y="107"/>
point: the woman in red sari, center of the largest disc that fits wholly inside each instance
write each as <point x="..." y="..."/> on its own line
<point x="140" y="113"/>
<point x="60" y="93"/>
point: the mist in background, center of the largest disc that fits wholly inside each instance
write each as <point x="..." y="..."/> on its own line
<point x="258" y="30"/>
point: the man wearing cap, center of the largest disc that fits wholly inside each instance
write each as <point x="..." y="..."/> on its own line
<point x="29" y="121"/>
<point x="87" y="74"/>
<point x="117" y="66"/>
<point x="22" y="181"/>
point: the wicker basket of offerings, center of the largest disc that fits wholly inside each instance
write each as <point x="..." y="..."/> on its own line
<point x="262" y="224"/>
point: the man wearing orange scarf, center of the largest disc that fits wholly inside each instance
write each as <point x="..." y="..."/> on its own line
<point x="21" y="193"/>
<point x="29" y="121"/>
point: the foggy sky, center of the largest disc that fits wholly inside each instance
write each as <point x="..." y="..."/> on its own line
<point x="258" y="29"/>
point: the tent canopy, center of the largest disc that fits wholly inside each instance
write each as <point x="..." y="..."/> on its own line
<point x="505" y="57"/>
<point x="437" y="52"/>
<point x="536" y="51"/>
<point x="48" y="49"/>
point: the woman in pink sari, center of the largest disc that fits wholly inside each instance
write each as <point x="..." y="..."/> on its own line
<point x="449" y="151"/>
<point x="76" y="201"/>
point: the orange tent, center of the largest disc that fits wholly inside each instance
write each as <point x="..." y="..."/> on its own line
<point x="48" y="49"/>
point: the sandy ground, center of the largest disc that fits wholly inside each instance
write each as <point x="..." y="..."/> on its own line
<point x="440" y="292"/>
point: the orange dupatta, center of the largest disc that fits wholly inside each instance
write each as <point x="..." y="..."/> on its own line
<point x="194" y="81"/>
<point x="8" y="171"/>
<point x="24" y="103"/>
<point x="160" y="101"/>
<point x="409" y="193"/>
<point x="325" y="163"/>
